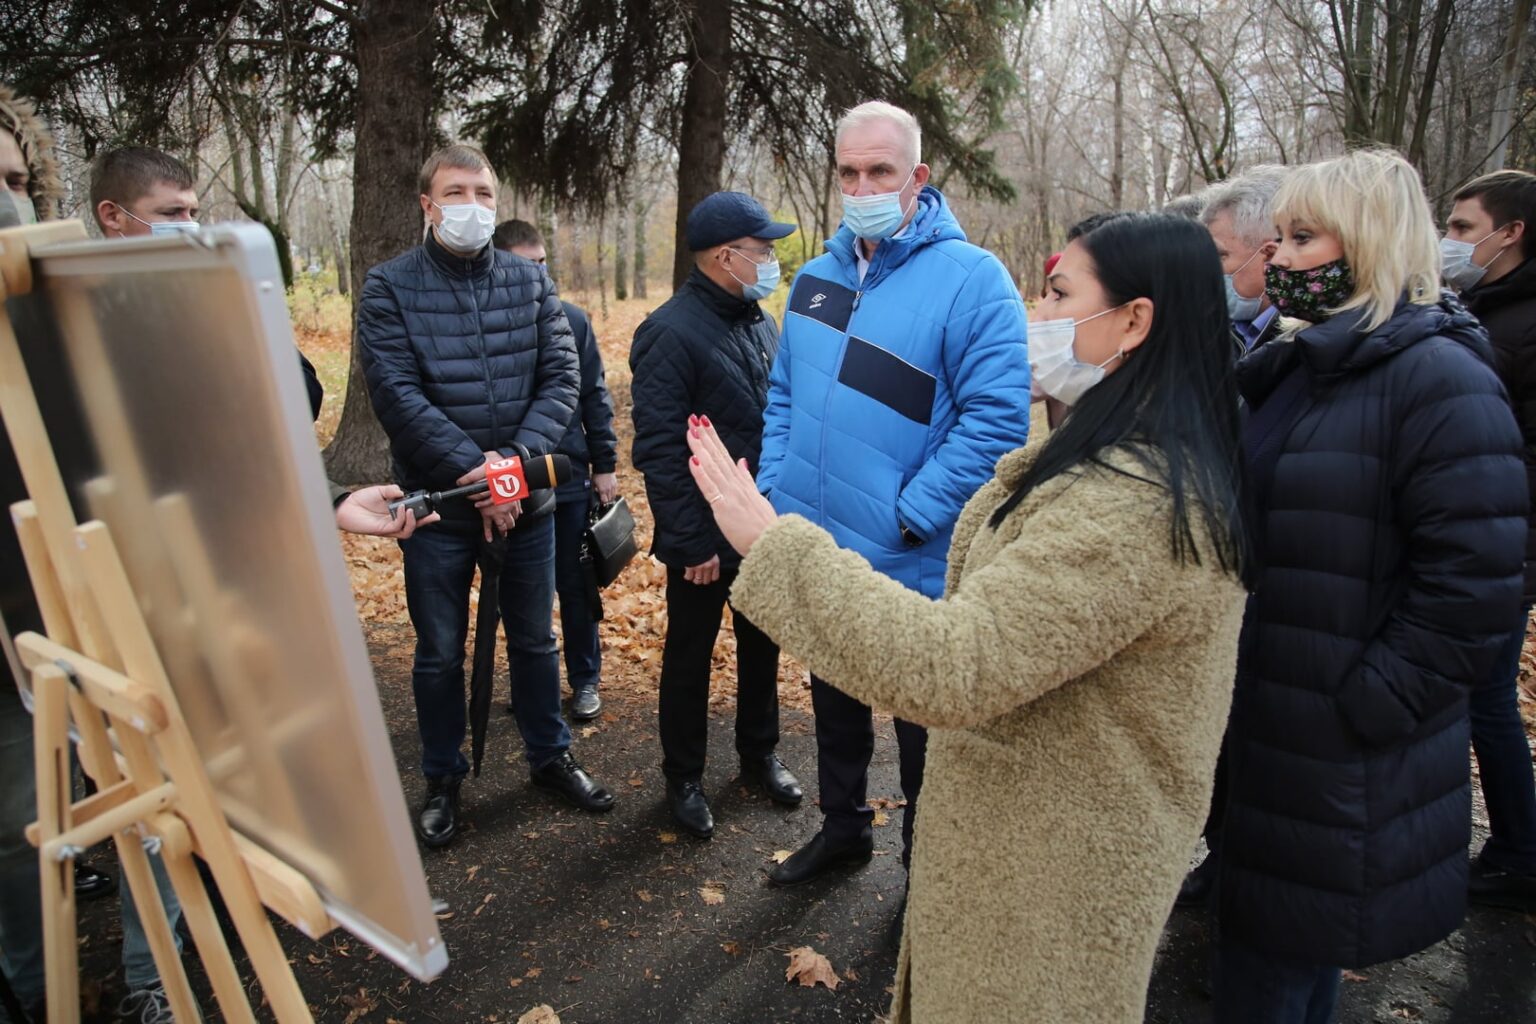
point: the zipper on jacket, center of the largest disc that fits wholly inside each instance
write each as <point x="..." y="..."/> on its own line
<point x="485" y="361"/>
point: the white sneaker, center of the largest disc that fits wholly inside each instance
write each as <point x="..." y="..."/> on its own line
<point x="147" y="1006"/>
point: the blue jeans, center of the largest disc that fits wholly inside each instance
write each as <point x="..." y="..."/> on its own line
<point x="1504" y="761"/>
<point x="1255" y="988"/>
<point x="583" y="655"/>
<point x="139" y="969"/>
<point x="439" y="567"/>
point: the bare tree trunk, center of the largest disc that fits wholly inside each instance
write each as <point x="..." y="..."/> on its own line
<point x="602" y="269"/>
<point x="639" y="268"/>
<point x="1509" y="75"/>
<point x="578" y="262"/>
<point x="1442" y="27"/>
<point x="701" y="142"/>
<point x="549" y="223"/>
<point x="1117" y="168"/>
<point x="394" y="42"/>
<point x="621" y="246"/>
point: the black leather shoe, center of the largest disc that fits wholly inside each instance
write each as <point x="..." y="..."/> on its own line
<point x="91" y="884"/>
<point x="438" y="821"/>
<point x="818" y="856"/>
<point x="1491" y="886"/>
<point x="690" y="808"/>
<point x="1195" y="892"/>
<point x="585" y="704"/>
<point x="777" y="781"/>
<point x="564" y="776"/>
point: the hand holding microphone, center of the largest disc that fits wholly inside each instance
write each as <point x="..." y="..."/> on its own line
<point x="496" y="487"/>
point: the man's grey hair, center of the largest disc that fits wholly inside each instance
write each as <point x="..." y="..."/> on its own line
<point x="878" y="110"/>
<point x="1185" y="206"/>
<point x="1250" y="200"/>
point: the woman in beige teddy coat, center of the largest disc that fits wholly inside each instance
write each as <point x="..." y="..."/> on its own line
<point x="1077" y="674"/>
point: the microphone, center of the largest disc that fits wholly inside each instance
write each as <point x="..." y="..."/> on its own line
<point x="507" y="480"/>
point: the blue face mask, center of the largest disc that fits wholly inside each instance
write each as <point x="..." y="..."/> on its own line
<point x="1240" y="307"/>
<point x="767" y="280"/>
<point x="874" y="218"/>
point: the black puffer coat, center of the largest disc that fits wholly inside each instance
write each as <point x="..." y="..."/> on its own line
<point x="465" y="356"/>
<point x="703" y="351"/>
<point x="589" y="440"/>
<point x="1507" y="308"/>
<point x="1393" y="538"/>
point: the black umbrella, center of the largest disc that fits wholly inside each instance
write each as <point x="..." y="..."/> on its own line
<point x="482" y="675"/>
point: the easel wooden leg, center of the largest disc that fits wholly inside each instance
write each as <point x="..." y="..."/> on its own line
<point x="197" y="908"/>
<point x="50" y="689"/>
<point x="157" y="928"/>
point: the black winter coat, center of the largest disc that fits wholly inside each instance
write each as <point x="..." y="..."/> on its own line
<point x="703" y="351"/>
<point x="589" y="441"/>
<point x="1390" y="577"/>
<point x="1507" y="308"/>
<point x="464" y="356"/>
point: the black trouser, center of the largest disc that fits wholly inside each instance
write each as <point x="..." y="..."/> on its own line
<point x="693" y="622"/>
<point x="845" y="741"/>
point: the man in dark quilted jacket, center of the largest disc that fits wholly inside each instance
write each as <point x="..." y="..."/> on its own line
<point x="707" y="351"/>
<point x="469" y="359"/>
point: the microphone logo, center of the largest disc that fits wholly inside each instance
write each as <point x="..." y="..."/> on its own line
<point x="506" y="479"/>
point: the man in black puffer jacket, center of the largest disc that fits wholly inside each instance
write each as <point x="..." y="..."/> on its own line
<point x="707" y="351"/>
<point x="469" y="359"/>
<point x="1488" y="250"/>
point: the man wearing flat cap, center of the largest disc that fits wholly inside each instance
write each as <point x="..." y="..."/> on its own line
<point x="708" y="351"/>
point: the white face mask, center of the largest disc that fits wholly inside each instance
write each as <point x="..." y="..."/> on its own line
<point x="1456" y="261"/>
<point x="466" y="227"/>
<point x="161" y="228"/>
<point x="1053" y="362"/>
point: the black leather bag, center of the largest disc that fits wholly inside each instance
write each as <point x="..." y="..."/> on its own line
<point x="609" y="544"/>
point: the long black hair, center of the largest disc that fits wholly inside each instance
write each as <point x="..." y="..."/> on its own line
<point x="1175" y="394"/>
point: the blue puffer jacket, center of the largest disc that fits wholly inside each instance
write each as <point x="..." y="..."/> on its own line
<point x="892" y="400"/>
<point x="1392" y="544"/>
<point x="464" y="356"/>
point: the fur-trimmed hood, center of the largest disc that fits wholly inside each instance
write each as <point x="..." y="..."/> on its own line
<point x="19" y="116"/>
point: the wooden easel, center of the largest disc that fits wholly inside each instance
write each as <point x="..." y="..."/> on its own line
<point x="99" y="669"/>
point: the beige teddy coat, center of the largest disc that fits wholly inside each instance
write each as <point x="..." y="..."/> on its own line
<point x="1076" y="681"/>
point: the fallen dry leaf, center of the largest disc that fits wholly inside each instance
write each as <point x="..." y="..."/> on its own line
<point x="881" y="818"/>
<point x="588" y="731"/>
<point x="810" y="969"/>
<point x="780" y="856"/>
<point x="731" y="948"/>
<point x="667" y="838"/>
<point x="645" y="895"/>
<point x="541" y="1014"/>
<point x="1354" y="976"/>
<point x="533" y="972"/>
<point x="712" y="893"/>
<point x="514" y="982"/>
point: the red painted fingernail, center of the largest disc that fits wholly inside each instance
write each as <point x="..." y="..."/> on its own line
<point x="694" y="431"/>
<point x="694" y="460"/>
<point x="692" y="418"/>
<point x="704" y="420"/>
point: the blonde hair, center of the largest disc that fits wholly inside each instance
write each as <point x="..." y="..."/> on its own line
<point x="879" y="110"/>
<point x="1373" y="202"/>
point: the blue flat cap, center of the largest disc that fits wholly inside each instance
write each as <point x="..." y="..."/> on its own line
<point x="726" y="216"/>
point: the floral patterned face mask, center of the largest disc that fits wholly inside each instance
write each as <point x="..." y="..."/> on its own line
<point x="1309" y="295"/>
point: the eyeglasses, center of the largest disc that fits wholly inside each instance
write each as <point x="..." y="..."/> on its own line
<point x="763" y="255"/>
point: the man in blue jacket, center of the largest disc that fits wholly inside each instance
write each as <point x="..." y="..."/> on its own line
<point x="901" y="379"/>
<point x="593" y="449"/>
<point x="469" y="359"/>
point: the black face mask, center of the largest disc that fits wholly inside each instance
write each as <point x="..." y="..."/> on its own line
<point x="1311" y="295"/>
